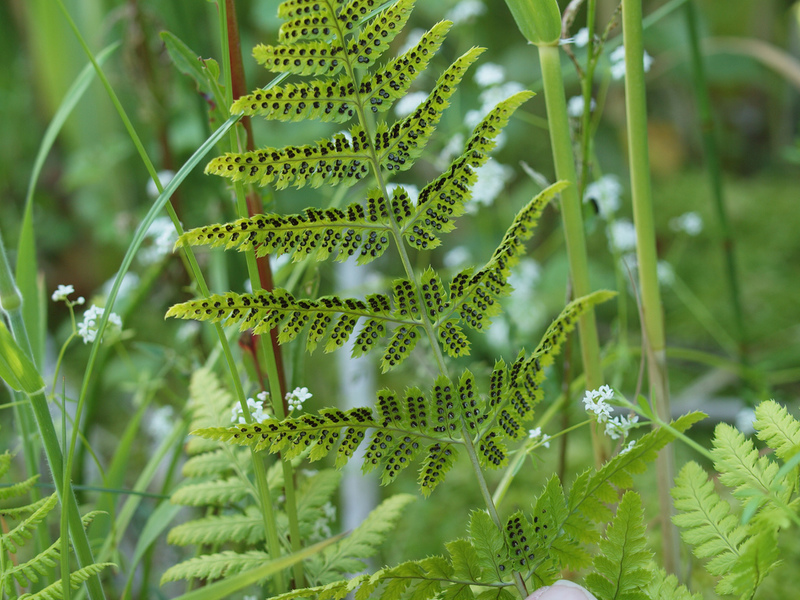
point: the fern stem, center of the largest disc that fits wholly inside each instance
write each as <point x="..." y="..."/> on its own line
<point x="573" y="222"/>
<point x="636" y="111"/>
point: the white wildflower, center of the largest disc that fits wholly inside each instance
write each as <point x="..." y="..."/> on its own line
<point x="161" y="422"/>
<point x="606" y="192"/>
<point x="619" y="426"/>
<point x="597" y="402"/>
<point x="465" y="11"/>
<point x="296" y="397"/>
<point x="617" y="59"/>
<point x="492" y="179"/>
<point x="408" y="104"/>
<point x="628" y="448"/>
<point x="622" y="235"/>
<point x="581" y="38"/>
<point x="534" y="434"/>
<point x="575" y="106"/>
<point x="255" y="407"/>
<point x="690" y="223"/>
<point x="665" y="273"/>
<point x="87" y="328"/>
<point x="61" y="293"/>
<point x="161" y="237"/>
<point x="164" y="177"/>
<point x="489" y="74"/>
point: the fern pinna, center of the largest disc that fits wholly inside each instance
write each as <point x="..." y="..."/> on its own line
<point x="338" y="43"/>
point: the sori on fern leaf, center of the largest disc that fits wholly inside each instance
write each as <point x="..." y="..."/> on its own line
<point x="321" y="40"/>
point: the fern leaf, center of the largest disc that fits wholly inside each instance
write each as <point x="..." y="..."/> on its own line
<point x="475" y="296"/>
<point x="706" y="521"/>
<point x="209" y="405"/>
<point x="217" y="462"/>
<point x="215" y="566"/>
<point x="399" y="146"/>
<point x="55" y="591"/>
<point x="552" y="514"/>
<point x="759" y="555"/>
<point x="315" y="492"/>
<point x="443" y="200"/>
<point x="778" y="429"/>
<point x="16" y="489"/>
<point x="667" y="587"/>
<point x="374" y="38"/>
<point x="621" y="571"/>
<point x="338" y="160"/>
<point x="23" y="531"/>
<point x="490" y="547"/>
<point x="348" y="555"/>
<point x="219" y="529"/>
<point x="466" y="565"/>
<point x="739" y="462"/>
<point x="317" y="234"/>
<point x="216" y="492"/>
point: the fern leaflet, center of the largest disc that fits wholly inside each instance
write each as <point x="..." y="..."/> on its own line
<point x="778" y="429"/>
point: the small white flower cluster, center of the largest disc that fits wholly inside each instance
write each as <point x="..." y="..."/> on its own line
<point x="256" y="408"/>
<point x="617" y="58"/>
<point x="622" y="235"/>
<point x="606" y="192"/>
<point x="87" y="328"/>
<point x="162" y="237"/>
<point x="597" y="402"/>
<point x="534" y="434"/>
<point x="296" y="397"/>
<point x="575" y="106"/>
<point x="579" y="40"/>
<point x="690" y="223"/>
<point x="62" y="293"/>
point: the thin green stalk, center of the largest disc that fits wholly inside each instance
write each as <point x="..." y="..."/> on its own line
<point x="587" y="84"/>
<point x="11" y="306"/>
<point x="636" y="111"/>
<point x="572" y="218"/>
<point x="714" y="170"/>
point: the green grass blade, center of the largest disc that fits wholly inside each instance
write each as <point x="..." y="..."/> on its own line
<point x="16" y="369"/>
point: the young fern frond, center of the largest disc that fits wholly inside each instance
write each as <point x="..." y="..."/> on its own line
<point x="19" y="535"/>
<point x="216" y="565"/>
<point x="55" y="591"/>
<point x="621" y="570"/>
<point x="778" y="429"/>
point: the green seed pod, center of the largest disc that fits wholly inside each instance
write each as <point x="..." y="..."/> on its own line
<point x="538" y="20"/>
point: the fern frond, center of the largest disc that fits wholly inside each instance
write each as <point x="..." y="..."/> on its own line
<point x="443" y="200"/>
<point x="667" y="587"/>
<point x="348" y="555"/>
<point x="621" y="571"/>
<point x="209" y="405"/>
<point x="401" y="144"/>
<point x="215" y="566"/>
<point x="490" y="546"/>
<point x="740" y="464"/>
<point x="216" y="462"/>
<point x="475" y="296"/>
<point x="778" y="429"/>
<point x="358" y="231"/>
<point x="55" y="591"/>
<point x="23" y="531"/>
<point x="706" y="522"/>
<point x="15" y="490"/>
<point x="758" y="556"/>
<point x="219" y="529"/>
<point x="315" y="492"/>
<point x="215" y="492"/>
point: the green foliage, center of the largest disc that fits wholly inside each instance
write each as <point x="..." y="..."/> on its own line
<point x="667" y="587"/>
<point x="621" y="570"/>
<point x="742" y="542"/>
<point x="15" y="572"/>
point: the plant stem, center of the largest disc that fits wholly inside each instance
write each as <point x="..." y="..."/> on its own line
<point x="11" y="305"/>
<point x="707" y="131"/>
<point x="636" y="111"/>
<point x="587" y="84"/>
<point x="573" y="222"/>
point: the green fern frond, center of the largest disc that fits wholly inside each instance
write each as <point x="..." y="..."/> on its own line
<point x="491" y="548"/>
<point x="349" y="554"/>
<point x="621" y="570"/>
<point x="215" y="566"/>
<point x="758" y="556"/>
<point x="475" y="296"/>
<point x="706" y="521"/>
<point x="216" y="462"/>
<point x="209" y="405"/>
<point x="443" y="200"/>
<point x="215" y="492"/>
<point x="778" y="429"/>
<point x="667" y="587"/>
<point x="401" y="144"/>
<point x="15" y="490"/>
<point x="23" y="531"/>
<point x="55" y="591"/>
<point x="740" y="464"/>
<point x="220" y="529"/>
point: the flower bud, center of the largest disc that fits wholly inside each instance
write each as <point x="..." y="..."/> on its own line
<point x="538" y="20"/>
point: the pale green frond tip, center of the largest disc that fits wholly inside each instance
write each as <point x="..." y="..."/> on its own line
<point x="538" y="20"/>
